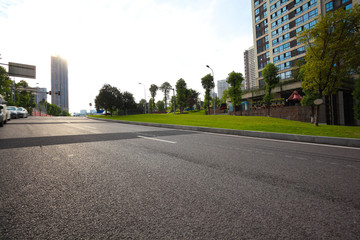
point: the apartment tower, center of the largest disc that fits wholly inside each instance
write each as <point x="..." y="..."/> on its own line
<point x="275" y="25"/>
<point x="59" y="83"/>
<point x="249" y="64"/>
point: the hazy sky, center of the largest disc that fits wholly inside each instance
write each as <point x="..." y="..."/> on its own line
<point x="124" y="42"/>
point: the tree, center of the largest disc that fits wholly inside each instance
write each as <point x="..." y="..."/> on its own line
<point x="330" y="53"/>
<point x="165" y="88"/>
<point x="181" y="91"/>
<point x="172" y="105"/>
<point x="225" y="95"/>
<point x="235" y="79"/>
<point x="153" y="89"/>
<point x="128" y="102"/>
<point x="141" y="106"/>
<point x="191" y="98"/>
<point x="160" y="106"/>
<point x="208" y="84"/>
<point x="356" y="95"/>
<point x="309" y="98"/>
<point x="271" y="78"/>
<point x="109" y="98"/>
<point x="5" y="84"/>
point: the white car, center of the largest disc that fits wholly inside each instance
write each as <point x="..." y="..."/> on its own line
<point x="3" y="112"/>
<point x="22" y="112"/>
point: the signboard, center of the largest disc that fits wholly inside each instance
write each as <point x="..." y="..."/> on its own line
<point x="318" y="101"/>
<point x="22" y="70"/>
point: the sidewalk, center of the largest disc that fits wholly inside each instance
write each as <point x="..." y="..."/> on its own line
<point x="349" y="142"/>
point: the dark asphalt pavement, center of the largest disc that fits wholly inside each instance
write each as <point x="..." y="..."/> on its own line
<point x="77" y="178"/>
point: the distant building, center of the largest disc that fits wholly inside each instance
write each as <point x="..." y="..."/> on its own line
<point x="249" y="62"/>
<point x="83" y="112"/>
<point x="59" y="83"/>
<point x="222" y="85"/>
<point x="40" y="95"/>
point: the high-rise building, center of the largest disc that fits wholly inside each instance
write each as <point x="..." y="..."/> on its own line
<point x="275" y="25"/>
<point x="40" y="95"/>
<point x="221" y="86"/>
<point x="59" y="83"/>
<point x="249" y="62"/>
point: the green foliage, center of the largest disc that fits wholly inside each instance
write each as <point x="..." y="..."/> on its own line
<point x="128" y="102"/>
<point x="172" y="106"/>
<point x="225" y="96"/>
<point x="53" y="109"/>
<point x="356" y="95"/>
<point x="160" y="106"/>
<point x="22" y="97"/>
<point x="331" y="52"/>
<point x="109" y="98"/>
<point x="234" y="92"/>
<point x="5" y="84"/>
<point x="141" y="106"/>
<point x="208" y="84"/>
<point x="271" y="78"/>
<point x="191" y="98"/>
<point x="165" y="88"/>
<point x="298" y="71"/>
<point x="181" y="91"/>
<point x="153" y="89"/>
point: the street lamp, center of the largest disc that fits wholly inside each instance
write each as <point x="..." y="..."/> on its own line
<point x="145" y="96"/>
<point x="214" y="86"/>
<point x="174" y="99"/>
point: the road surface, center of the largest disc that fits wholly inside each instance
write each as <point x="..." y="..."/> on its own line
<point x="77" y="178"/>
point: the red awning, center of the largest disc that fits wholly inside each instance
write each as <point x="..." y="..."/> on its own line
<point x="295" y="96"/>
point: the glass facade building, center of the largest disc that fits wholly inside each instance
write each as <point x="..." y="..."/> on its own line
<point x="59" y="83"/>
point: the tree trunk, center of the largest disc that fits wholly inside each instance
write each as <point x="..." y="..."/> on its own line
<point x="316" y="116"/>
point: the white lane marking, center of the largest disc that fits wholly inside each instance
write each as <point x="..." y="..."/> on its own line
<point x="155" y="139"/>
<point x="70" y="155"/>
<point x="275" y="140"/>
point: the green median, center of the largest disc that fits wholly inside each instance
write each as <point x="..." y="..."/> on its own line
<point x="263" y="124"/>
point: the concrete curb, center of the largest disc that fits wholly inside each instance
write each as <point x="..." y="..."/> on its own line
<point x="349" y="142"/>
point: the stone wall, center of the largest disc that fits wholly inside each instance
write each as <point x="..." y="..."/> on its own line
<point x="295" y="113"/>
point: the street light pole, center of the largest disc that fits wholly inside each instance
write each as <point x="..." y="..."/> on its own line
<point x="145" y="96"/>
<point x="174" y="99"/>
<point x="214" y="86"/>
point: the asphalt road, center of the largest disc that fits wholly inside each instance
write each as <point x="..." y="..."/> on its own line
<point x="77" y="178"/>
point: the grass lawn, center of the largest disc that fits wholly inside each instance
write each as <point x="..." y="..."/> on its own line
<point x="265" y="124"/>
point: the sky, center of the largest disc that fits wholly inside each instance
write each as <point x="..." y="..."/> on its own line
<point x="124" y="42"/>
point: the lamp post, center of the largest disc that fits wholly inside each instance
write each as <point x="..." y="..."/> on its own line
<point x="145" y="96"/>
<point x="214" y="85"/>
<point x="174" y="99"/>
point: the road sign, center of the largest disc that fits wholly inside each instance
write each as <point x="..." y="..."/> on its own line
<point x="22" y="70"/>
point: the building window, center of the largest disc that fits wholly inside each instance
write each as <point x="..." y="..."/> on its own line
<point x="257" y="11"/>
<point x="348" y="7"/>
<point x="344" y="1"/>
<point x="329" y="6"/>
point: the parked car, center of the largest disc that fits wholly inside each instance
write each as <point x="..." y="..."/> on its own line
<point x="2" y="116"/>
<point x="13" y="111"/>
<point x="22" y="112"/>
<point x="3" y="111"/>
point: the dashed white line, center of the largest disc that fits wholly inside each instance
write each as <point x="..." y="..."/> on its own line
<point x="156" y="139"/>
